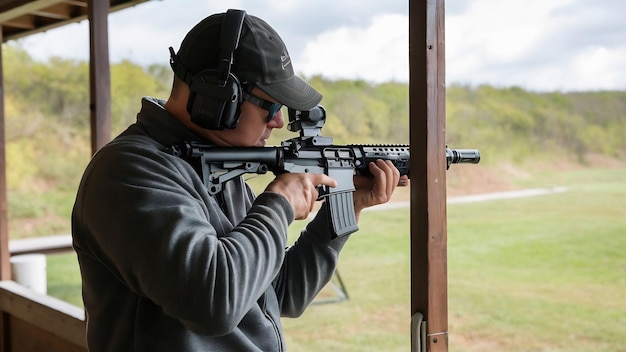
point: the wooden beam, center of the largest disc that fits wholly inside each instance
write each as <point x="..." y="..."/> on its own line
<point x="57" y="11"/>
<point x="49" y="314"/>
<point x="99" y="74"/>
<point x="5" y="264"/>
<point x="22" y="22"/>
<point x="429" y="291"/>
<point x="16" y="8"/>
<point x="43" y="245"/>
<point x="81" y="3"/>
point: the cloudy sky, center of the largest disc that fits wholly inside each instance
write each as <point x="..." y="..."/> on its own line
<point x="563" y="45"/>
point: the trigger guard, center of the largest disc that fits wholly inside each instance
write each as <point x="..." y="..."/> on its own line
<point x="322" y="191"/>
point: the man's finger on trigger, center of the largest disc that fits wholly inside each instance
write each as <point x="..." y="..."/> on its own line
<point x="326" y="180"/>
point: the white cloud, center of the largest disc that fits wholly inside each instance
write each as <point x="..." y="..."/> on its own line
<point x="601" y="65"/>
<point x="500" y="30"/>
<point x="143" y="51"/>
<point x="70" y="41"/>
<point x="535" y="44"/>
<point x="375" y="53"/>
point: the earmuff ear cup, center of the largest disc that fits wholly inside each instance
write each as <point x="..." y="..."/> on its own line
<point x="212" y="105"/>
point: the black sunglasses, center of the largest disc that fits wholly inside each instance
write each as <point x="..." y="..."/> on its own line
<point x="272" y="108"/>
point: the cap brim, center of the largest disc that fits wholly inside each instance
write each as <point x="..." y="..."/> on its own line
<point x="294" y="93"/>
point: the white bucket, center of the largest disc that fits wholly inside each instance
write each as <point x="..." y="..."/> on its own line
<point x="29" y="270"/>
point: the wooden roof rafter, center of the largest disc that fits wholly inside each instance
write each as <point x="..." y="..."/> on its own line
<point x="20" y="18"/>
<point x="61" y="12"/>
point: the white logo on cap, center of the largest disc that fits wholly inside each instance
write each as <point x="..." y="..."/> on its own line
<point x="284" y="59"/>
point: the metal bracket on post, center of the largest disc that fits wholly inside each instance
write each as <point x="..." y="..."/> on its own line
<point x="437" y="339"/>
<point x="418" y="333"/>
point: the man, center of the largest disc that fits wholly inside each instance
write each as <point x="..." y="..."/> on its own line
<point x="168" y="267"/>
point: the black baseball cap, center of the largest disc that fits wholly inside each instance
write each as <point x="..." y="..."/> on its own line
<point x="261" y="59"/>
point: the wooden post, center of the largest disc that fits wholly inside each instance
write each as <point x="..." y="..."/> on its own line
<point x="429" y="291"/>
<point x="99" y="74"/>
<point x="5" y="264"/>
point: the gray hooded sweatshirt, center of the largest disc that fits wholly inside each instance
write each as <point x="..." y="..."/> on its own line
<point x="167" y="267"/>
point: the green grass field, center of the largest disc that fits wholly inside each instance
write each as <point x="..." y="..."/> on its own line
<point x="544" y="273"/>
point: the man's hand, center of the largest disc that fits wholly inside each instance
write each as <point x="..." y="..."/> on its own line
<point x="301" y="190"/>
<point x="377" y="190"/>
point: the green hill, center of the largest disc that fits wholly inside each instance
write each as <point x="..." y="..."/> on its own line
<point x="517" y="131"/>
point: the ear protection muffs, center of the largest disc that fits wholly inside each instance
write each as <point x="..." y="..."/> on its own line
<point x="215" y="94"/>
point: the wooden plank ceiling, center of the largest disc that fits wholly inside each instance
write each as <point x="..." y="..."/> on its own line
<point x="19" y="18"/>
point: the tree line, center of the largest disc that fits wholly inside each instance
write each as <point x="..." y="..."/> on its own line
<point x="47" y="122"/>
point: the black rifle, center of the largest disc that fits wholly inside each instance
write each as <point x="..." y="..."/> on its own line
<point x="309" y="153"/>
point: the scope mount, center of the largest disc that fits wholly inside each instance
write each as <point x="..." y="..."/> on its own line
<point x="309" y="124"/>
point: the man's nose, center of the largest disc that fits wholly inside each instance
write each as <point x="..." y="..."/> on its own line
<point x="278" y="121"/>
